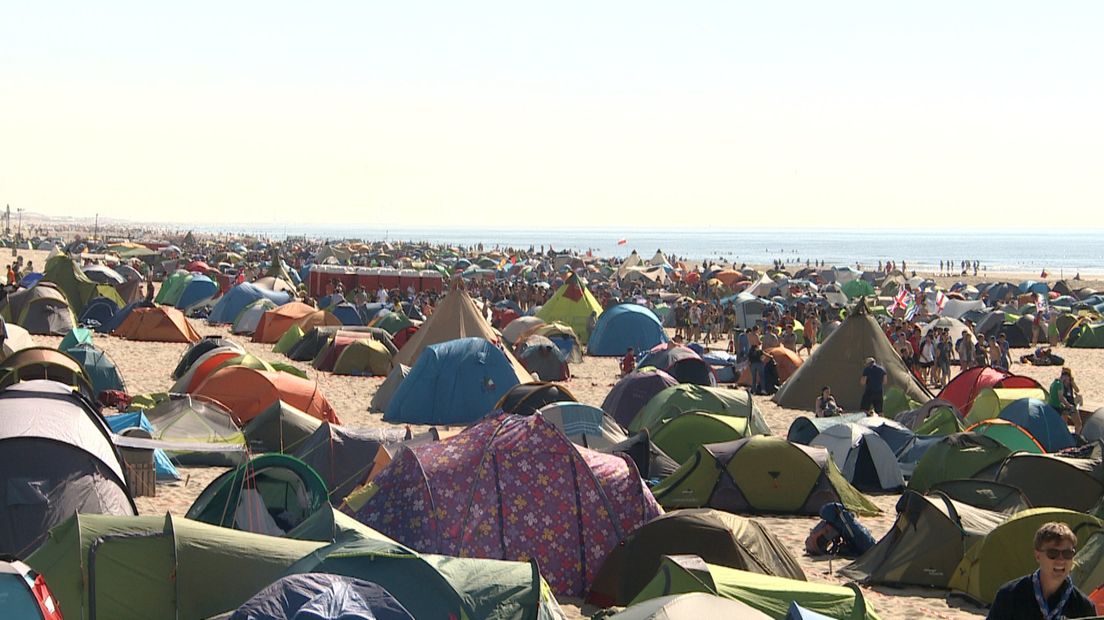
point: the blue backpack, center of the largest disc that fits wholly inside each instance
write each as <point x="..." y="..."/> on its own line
<point x="839" y="533"/>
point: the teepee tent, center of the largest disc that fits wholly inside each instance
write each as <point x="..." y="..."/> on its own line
<point x="838" y="362"/>
<point x="572" y="304"/>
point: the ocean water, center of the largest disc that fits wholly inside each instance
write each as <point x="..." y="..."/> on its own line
<point x="1062" y="252"/>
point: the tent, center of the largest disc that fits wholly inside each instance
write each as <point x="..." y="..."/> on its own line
<point x="344" y="457"/>
<point x="932" y="417"/>
<point x="679" y="399"/>
<point x="958" y="456"/>
<point x="786" y="360"/>
<point x="249" y="318"/>
<point x="323" y="597"/>
<point x="584" y="425"/>
<point x="760" y="474"/>
<point x="862" y="456"/>
<point x="963" y="389"/>
<point x="386" y="390"/>
<point x="455" y="382"/>
<point x="188" y="419"/>
<point x="197" y="350"/>
<point x="56" y="458"/>
<point x="98" y="312"/>
<point x="926" y="542"/>
<point x="279" y="428"/>
<point x="230" y="305"/>
<point x="572" y="304"/>
<point x="204" y="365"/>
<point x="77" y="335"/>
<point x="766" y="593"/>
<point x="290" y="338"/>
<point x="717" y="537"/>
<point x="275" y="322"/>
<point x="1013" y="436"/>
<point x="99" y="367"/>
<point x="990" y="402"/>
<point x="246" y="392"/>
<point x="681" y="437"/>
<point x="1091" y="337"/>
<point x="528" y="398"/>
<point x="1051" y="480"/>
<point x="199" y="290"/>
<point x="541" y="356"/>
<point x="45" y="363"/>
<point x="158" y="324"/>
<point x="625" y="326"/>
<point x="172" y="286"/>
<point x="1042" y="421"/>
<point x="984" y="494"/>
<point x="41" y="309"/>
<point x="363" y="357"/>
<point x="79" y="289"/>
<point x="433" y="586"/>
<point x="690" y="606"/>
<point x="838" y="362"/>
<point x="271" y="494"/>
<point x="680" y="362"/>
<point x="804" y="429"/>
<point x="1005" y="553"/>
<point x="158" y="566"/>
<point x="629" y="395"/>
<point x="17" y="340"/>
<point x="491" y="499"/>
<point x="119" y="423"/>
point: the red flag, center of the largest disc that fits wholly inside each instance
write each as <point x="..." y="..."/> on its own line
<point x="622" y="241"/>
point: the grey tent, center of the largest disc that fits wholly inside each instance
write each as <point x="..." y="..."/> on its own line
<point x="985" y="494"/>
<point x="925" y="544"/>
<point x="1050" y="480"/>
<point x="344" y="457"/>
<point x="280" y="428"/>
<point x="56" y="459"/>
<point x="863" y="457"/>
<point x="804" y="429"/>
<point x="41" y="309"/>
<point x="838" y="362"/>
<point x="390" y="385"/>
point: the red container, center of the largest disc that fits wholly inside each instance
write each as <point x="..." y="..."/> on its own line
<point x="368" y="279"/>
<point x="389" y="278"/>
<point x="432" y="281"/>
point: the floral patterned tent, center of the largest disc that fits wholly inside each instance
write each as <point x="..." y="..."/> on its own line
<point x="512" y="488"/>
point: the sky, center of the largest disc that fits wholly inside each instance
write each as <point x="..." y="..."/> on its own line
<point x="591" y="114"/>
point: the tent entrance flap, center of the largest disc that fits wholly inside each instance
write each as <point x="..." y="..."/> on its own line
<point x="124" y="563"/>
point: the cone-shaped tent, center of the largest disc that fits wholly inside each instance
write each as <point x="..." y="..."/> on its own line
<point x="838" y="363"/>
<point x="572" y="304"/>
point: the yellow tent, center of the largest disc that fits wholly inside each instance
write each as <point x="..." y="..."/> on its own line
<point x="572" y="305"/>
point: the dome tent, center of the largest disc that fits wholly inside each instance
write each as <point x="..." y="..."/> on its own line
<point x="624" y="326"/>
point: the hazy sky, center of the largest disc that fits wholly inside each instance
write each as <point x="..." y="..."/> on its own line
<point x="581" y="113"/>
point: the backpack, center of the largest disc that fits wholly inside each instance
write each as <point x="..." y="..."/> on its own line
<point x="852" y="538"/>
<point x="822" y="539"/>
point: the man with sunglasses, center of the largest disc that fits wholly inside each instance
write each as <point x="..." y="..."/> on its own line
<point x="1048" y="593"/>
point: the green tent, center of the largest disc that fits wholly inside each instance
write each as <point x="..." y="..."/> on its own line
<point x="392" y="322"/>
<point x="941" y="421"/>
<point x="1091" y="337"/>
<point x="76" y="336"/>
<point x="681" y="437"/>
<point x="768" y="594"/>
<point x="433" y="586"/>
<point x="364" y="357"/>
<point x="270" y="494"/>
<point x="1006" y="552"/>
<point x="926" y="542"/>
<point x="760" y="474"/>
<point x="1015" y="437"/>
<point x="572" y="304"/>
<point x="172" y="288"/>
<point x="896" y="401"/>
<point x="1088" y="564"/>
<point x="679" y="399"/>
<point x="857" y="288"/>
<point x="279" y="428"/>
<point x="839" y="363"/>
<point x="956" y="457"/>
<point x="1052" y="480"/>
<point x="991" y="401"/>
<point x="717" y="537"/>
<point x="158" y="566"/>
<point x="290" y="338"/>
<point x="79" y="289"/>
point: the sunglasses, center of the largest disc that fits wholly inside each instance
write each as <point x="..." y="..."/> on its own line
<point x="1052" y="553"/>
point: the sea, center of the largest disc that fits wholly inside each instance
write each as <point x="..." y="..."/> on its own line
<point x="1061" y="252"/>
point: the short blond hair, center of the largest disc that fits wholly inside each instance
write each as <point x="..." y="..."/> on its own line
<point x="1054" y="532"/>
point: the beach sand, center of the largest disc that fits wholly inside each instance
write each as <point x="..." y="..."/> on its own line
<point x="145" y="366"/>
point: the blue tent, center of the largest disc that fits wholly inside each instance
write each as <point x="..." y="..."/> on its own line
<point x="1042" y="421"/>
<point x="321" y="596"/>
<point x="98" y="366"/>
<point x="76" y="336"/>
<point x="164" y="467"/>
<point x="120" y="316"/>
<point x="199" y="288"/>
<point x="230" y="305"/>
<point x="1031" y="286"/>
<point x="347" y="314"/>
<point x="98" y="311"/>
<point x="624" y="326"/>
<point x="453" y="382"/>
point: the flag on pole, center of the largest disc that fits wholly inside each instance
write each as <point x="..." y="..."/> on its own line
<point x="622" y="241"/>
<point x="899" y="300"/>
<point x="911" y="307"/>
<point x="1042" y="305"/>
<point x="940" y="301"/>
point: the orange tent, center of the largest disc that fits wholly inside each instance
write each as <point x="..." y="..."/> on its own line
<point x="208" y="366"/>
<point x="278" y="320"/>
<point x="729" y="276"/>
<point x="246" y="392"/>
<point x="788" y="362"/>
<point x="158" y="324"/>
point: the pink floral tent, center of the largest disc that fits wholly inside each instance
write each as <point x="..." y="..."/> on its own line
<point x="512" y="488"/>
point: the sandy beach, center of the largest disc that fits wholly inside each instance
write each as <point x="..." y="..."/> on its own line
<point x="145" y="366"/>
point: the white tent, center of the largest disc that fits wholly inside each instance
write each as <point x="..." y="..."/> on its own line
<point x="863" y="456"/>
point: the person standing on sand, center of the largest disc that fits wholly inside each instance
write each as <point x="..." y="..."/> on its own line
<point x="1048" y="592"/>
<point x="873" y="380"/>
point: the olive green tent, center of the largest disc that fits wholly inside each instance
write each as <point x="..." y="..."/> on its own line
<point x="956" y="457"/>
<point x="717" y="537"/>
<point x="942" y="421"/>
<point x="760" y="474"/>
<point x="279" y="428"/>
<point x="838" y="363"/>
<point x="363" y="357"/>
<point x="681" y="437"/>
<point x="1051" y="480"/>
<point x="1006" y="552"/>
<point x="679" y="399"/>
<point x="158" y="566"/>
<point x="768" y="594"/>
<point x="1091" y="337"/>
<point x="172" y="287"/>
<point x="79" y="289"/>
<point x="926" y="543"/>
<point x="290" y="338"/>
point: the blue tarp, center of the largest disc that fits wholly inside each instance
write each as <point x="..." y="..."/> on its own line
<point x="454" y="382"/>
<point x="624" y="326"/>
<point x="1042" y="421"/>
<point x="165" y="469"/>
<point x="237" y="298"/>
